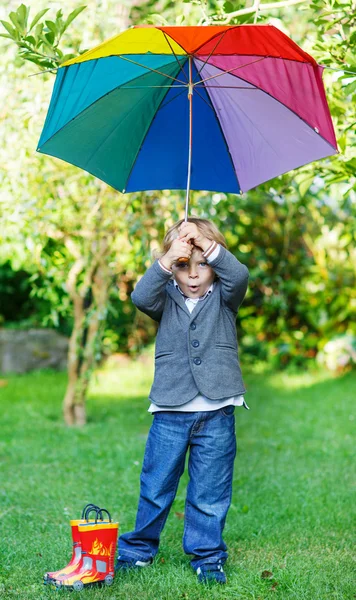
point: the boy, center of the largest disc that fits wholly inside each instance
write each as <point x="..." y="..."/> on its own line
<point x="197" y="384"/>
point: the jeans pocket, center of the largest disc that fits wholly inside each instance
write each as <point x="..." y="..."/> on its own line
<point x="229" y="410"/>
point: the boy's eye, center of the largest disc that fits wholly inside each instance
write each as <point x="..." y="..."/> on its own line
<point x="181" y="265"/>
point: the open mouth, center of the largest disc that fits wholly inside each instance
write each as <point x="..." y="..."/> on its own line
<point x="194" y="288"/>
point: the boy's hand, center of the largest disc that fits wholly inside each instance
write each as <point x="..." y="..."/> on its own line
<point x="179" y="249"/>
<point x="189" y="231"/>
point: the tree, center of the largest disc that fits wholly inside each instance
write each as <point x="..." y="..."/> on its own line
<point x="86" y="227"/>
<point x="88" y="223"/>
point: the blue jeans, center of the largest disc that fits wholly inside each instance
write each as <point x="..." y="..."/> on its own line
<point x="212" y="442"/>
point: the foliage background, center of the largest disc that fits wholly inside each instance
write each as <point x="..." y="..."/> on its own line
<point x="296" y="233"/>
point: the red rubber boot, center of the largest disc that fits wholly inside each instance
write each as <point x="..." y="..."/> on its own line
<point x="76" y="555"/>
<point x="96" y="565"/>
<point x="51" y="576"/>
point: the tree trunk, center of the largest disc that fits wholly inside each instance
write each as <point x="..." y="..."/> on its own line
<point x="82" y="355"/>
<point x="69" y="404"/>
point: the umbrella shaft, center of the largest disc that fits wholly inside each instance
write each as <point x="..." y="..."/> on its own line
<point x="190" y="100"/>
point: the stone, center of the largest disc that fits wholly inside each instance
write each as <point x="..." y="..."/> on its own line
<point x="25" y="350"/>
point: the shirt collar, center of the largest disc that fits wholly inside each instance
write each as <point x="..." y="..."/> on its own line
<point x="208" y="292"/>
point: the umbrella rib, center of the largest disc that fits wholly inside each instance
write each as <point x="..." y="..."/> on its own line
<point x="174" y="97"/>
<point x="213" y="50"/>
<point x="229" y="87"/>
<point x="149" y="68"/>
<point x="146" y="87"/>
<point x="229" y="71"/>
<point x="206" y="87"/>
<point x="175" y="56"/>
<point x="212" y="37"/>
<point x="202" y="97"/>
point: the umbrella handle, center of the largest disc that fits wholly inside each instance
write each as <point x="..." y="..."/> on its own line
<point x="183" y="259"/>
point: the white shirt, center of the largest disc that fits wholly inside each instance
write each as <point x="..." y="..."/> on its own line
<point x="200" y="403"/>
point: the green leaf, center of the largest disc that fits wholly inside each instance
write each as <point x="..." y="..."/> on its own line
<point x="305" y="184"/>
<point x="30" y="39"/>
<point x="342" y="143"/>
<point x="9" y="28"/>
<point x="47" y="64"/>
<point x="228" y="7"/>
<point x="350" y="88"/>
<point x="5" y="35"/>
<point x="38" y="30"/>
<point x="67" y="57"/>
<point x="72" y="16"/>
<point x="45" y="41"/>
<point x="38" y="33"/>
<point x="14" y="19"/>
<point x="350" y="58"/>
<point x="30" y="56"/>
<point x="51" y="26"/>
<point x="38" y="17"/>
<point x="49" y="37"/>
<point x="22" y="15"/>
<point x="156" y="19"/>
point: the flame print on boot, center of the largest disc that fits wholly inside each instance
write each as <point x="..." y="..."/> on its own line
<point x="96" y="564"/>
<point x="51" y="576"/>
<point x="76" y="555"/>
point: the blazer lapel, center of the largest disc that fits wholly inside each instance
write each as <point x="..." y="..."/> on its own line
<point x="177" y="296"/>
<point x="198" y="307"/>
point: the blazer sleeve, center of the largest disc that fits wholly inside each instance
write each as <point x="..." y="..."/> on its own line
<point x="233" y="276"/>
<point x="149" y="295"/>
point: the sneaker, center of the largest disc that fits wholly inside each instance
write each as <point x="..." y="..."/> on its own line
<point x="123" y="564"/>
<point x="211" y="572"/>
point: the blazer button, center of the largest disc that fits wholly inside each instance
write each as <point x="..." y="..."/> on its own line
<point x="197" y="361"/>
<point x="195" y="343"/>
<point x="193" y="326"/>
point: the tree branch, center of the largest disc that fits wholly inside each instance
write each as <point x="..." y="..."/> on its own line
<point x="259" y="7"/>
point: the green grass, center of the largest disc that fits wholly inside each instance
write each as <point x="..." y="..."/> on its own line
<point x="292" y="511"/>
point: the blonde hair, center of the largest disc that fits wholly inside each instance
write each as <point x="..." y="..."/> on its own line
<point x="207" y="228"/>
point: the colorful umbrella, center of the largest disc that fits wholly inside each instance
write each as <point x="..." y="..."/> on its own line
<point x="256" y="109"/>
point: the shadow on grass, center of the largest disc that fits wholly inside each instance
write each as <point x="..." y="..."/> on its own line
<point x="264" y="391"/>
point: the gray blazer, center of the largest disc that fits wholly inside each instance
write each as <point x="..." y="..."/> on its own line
<point x="195" y="352"/>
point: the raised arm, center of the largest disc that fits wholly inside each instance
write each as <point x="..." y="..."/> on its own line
<point x="232" y="274"/>
<point x="149" y="294"/>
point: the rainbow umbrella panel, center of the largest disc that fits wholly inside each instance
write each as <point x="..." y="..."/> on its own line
<point x="220" y="108"/>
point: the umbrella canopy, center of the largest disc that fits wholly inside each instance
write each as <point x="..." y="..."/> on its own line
<point x="257" y="109"/>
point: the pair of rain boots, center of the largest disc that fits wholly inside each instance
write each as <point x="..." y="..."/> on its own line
<point x="94" y="546"/>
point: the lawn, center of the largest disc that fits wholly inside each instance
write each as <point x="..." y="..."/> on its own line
<point x="292" y="509"/>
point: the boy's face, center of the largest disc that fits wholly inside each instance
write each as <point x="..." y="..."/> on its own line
<point x="194" y="278"/>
